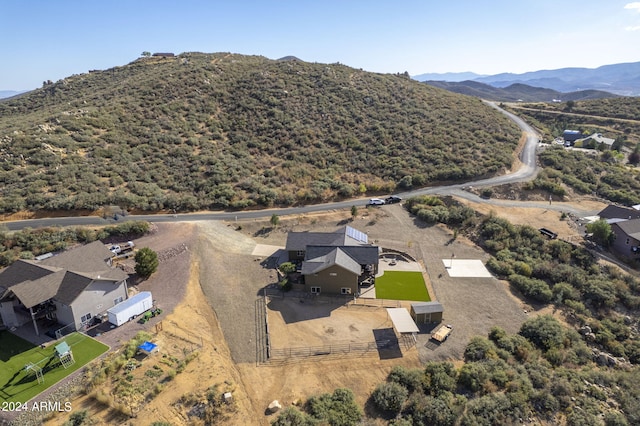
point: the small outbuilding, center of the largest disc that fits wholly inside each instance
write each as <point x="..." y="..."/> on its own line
<point x="426" y="312"/>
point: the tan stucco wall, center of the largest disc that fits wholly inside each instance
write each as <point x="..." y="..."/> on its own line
<point x="332" y="284"/>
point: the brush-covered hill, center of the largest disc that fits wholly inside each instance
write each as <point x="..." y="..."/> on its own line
<point x="209" y="131"/>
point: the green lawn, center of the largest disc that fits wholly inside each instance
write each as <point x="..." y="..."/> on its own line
<point x="401" y="285"/>
<point x="17" y="384"/>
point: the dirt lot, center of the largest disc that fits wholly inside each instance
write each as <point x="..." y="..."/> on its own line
<point x="211" y="281"/>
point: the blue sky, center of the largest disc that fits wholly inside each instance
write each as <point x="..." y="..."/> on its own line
<point x="49" y="40"/>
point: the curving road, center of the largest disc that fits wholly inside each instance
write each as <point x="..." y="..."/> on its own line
<point x="526" y="172"/>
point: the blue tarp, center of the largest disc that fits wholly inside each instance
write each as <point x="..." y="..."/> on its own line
<point x="148" y="347"/>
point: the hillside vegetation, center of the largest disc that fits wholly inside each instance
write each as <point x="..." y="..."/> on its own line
<point x="607" y="172"/>
<point x="615" y="117"/>
<point x="207" y="131"/>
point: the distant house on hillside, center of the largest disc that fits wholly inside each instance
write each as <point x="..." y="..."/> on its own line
<point x="69" y="288"/>
<point x="333" y="262"/>
<point x="594" y="140"/>
<point x="571" y="136"/>
<point x="164" y="55"/>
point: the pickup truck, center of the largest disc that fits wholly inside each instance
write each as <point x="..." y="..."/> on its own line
<point x="442" y="333"/>
<point x="121" y="248"/>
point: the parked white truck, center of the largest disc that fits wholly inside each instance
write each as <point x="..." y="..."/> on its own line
<point x="129" y="309"/>
<point x="122" y="247"/>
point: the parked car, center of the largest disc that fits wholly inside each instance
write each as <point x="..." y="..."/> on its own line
<point x="376" y="202"/>
<point x="392" y="199"/>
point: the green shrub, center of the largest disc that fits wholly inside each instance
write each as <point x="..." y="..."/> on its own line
<point x="428" y="410"/>
<point x="338" y="408"/>
<point x="389" y="397"/>
<point x="410" y="379"/>
<point x="533" y="288"/>
<point x="544" y="331"/>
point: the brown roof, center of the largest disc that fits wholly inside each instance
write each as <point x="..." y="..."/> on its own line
<point x="91" y="257"/>
<point x="72" y="285"/>
<point x="32" y="293"/>
<point x="335" y="257"/>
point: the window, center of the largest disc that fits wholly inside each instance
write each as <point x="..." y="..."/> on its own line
<point x="118" y="300"/>
<point x="315" y="290"/>
<point x="333" y="274"/>
<point x="85" y="318"/>
<point x="345" y="290"/>
<point x="300" y="253"/>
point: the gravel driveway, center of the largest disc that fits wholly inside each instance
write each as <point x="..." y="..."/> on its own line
<point x="232" y="278"/>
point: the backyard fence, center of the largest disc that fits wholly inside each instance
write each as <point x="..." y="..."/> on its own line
<point x="376" y="303"/>
<point x="68" y="329"/>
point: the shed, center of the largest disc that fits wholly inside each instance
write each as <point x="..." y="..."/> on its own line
<point x="426" y="312"/>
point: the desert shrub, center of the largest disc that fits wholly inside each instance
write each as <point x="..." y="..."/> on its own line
<point x="411" y="379"/>
<point x="427" y="410"/>
<point x="615" y="418"/>
<point x="439" y="377"/>
<point x="545" y="403"/>
<point x="502" y="269"/>
<point x="78" y="418"/>
<point x="579" y="417"/>
<point x="338" y="408"/>
<point x="389" y="397"/>
<point x="479" y="348"/>
<point x="492" y="409"/>
<point x="473" y="375"/>
<point x="291" y="416"/>
<point x="564" y="291"/>
<point x="544" y="331"/>
<point x="154" y="372"/>
<point x="533" y="288"/>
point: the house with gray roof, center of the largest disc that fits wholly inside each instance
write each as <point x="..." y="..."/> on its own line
<point x="627" y="238"/>
<point x="333" y="262"/>
<point x="69" y="288"/>
<point x="613" y="213"/>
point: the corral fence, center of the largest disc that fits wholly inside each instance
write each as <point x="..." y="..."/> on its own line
<point x="334" y="349"/>
<point x="265" y="352"/>
<point x="335" y="299"/>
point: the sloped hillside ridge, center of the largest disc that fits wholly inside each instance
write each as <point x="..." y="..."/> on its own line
<point x="216" y="131"/>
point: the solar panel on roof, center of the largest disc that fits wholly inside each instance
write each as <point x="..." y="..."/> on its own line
<point x="357" y="235"/>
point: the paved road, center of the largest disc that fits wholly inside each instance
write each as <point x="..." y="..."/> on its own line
<point x="526" y="172"/>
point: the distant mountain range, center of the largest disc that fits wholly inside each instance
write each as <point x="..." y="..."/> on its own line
<point x="10" y="93"/>
<point x="518" y="92"/>
<point x="619" y="79"/>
